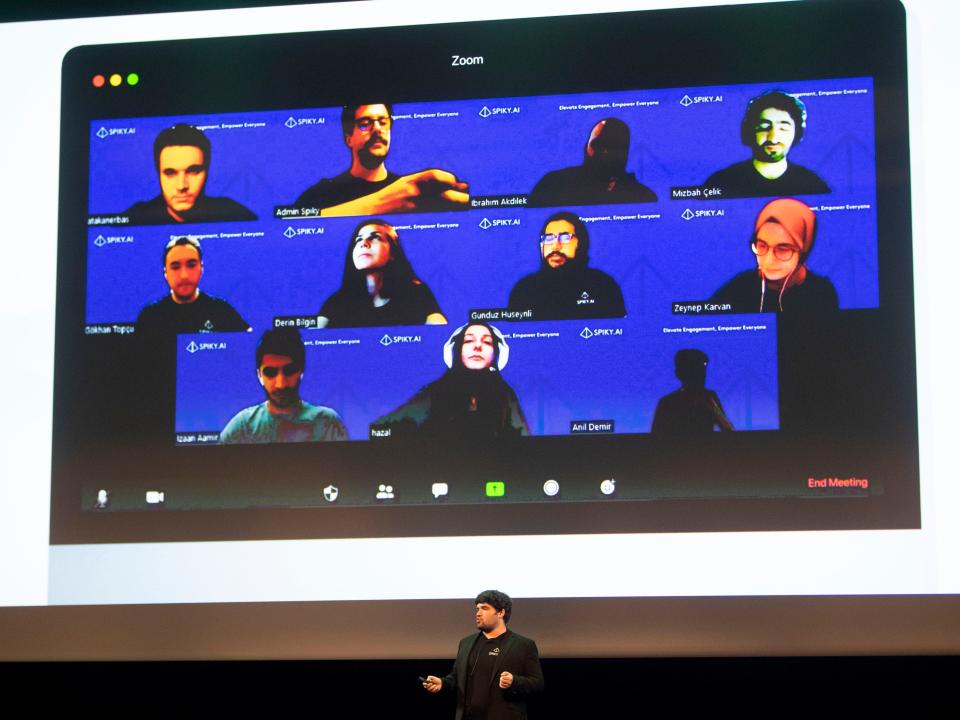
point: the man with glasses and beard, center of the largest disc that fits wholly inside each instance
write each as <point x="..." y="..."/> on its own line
<point x="283" y="416"/>
<point x="565" y="287"/>
<point x="367" y="187"/>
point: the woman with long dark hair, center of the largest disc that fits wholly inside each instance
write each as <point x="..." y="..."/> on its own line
<point x="471" y="399"/>
<point x="379" y="286"/>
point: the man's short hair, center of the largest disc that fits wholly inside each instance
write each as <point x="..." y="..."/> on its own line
<point x="349" y="114"/>
<point x="778" y="100"/>
<point x="497" y="600"/>
<point x="282" y="341"/>
<point x="181" y="134"/>
<point x="192" y="242"/>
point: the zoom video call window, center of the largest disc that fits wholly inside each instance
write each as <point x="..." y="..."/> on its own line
<point x="457" y="299"/>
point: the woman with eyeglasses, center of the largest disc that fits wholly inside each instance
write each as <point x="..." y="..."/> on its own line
<point x="782" y="240"/>
<point x="379" y="286"/>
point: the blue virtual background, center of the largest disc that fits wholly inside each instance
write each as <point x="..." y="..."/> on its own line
<point x="558" y="378"/>
<point x="264" y="159"/>
<point x="657" y="252"/>
<point x="273" y="267"/>
<point x="278" y="269"/>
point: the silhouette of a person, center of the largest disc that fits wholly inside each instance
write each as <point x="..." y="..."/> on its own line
<point x="692" y="409"/>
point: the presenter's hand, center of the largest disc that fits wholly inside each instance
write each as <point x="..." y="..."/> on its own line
<point x="430" y="190"/>
<point x="506" y="680"/>
<point x="438" y="189"/>
<point x="432" y="684"/>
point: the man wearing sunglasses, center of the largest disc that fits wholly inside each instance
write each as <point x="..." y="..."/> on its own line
<point x="565" y="287"/>
<point x="367" y="187"/>
<point x="283" y="416"/>
<point x="185" y="309"/>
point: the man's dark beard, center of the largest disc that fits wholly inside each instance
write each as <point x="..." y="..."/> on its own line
<point x="369" y="161"/>
<point x="563" y="269"/>
<point x="762" y="156"/>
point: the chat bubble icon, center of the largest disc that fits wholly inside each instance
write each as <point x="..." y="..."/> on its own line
<point x="439" y="489"/>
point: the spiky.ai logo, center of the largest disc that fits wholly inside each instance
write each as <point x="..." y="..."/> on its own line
<point x="386" y="340"/>
<point x="102" y="133"/>
<point x="686" y="101"/>
<point x="485" y="223"/>
<point x="192" y="347"/>
<point x="291" y="123"/>
<point x="686" y="214"/>
<point x="586" y="333"/>
<point x="100" y="241"/>
<point x="289" y="232"/>
<point x="485" y="112"/>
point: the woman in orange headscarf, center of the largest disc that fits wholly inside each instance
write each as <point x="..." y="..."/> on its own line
<point x="782" y="240"/>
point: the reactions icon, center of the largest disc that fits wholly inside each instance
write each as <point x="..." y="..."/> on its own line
<point x="608" y="486"/>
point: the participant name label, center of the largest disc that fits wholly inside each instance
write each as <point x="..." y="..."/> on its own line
<point x="700" y="307"/>
<point x="502" y="314"/>
<point x="296" y="321"/>
<point x="108" y="329"/>
<point x="591" y="427"/>
<point x="494" y="201"/>
<point x="211" y="437"/>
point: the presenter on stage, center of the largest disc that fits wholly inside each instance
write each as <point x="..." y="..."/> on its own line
<point x="496" y="670"/>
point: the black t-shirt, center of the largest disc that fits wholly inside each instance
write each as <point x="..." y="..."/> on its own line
<point x="568" y="293"/>
<point x="686" y="412"/>
<point x="330" y="192"/>
<point x="815" y="296"/>
<point x="579" y="186"/>
<point x="742" y="180"/>
<point x="410" y="307"/>
<point x="206" y="209"/>
<point x="480" y="666"/>
<point x="166" y="318"/>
